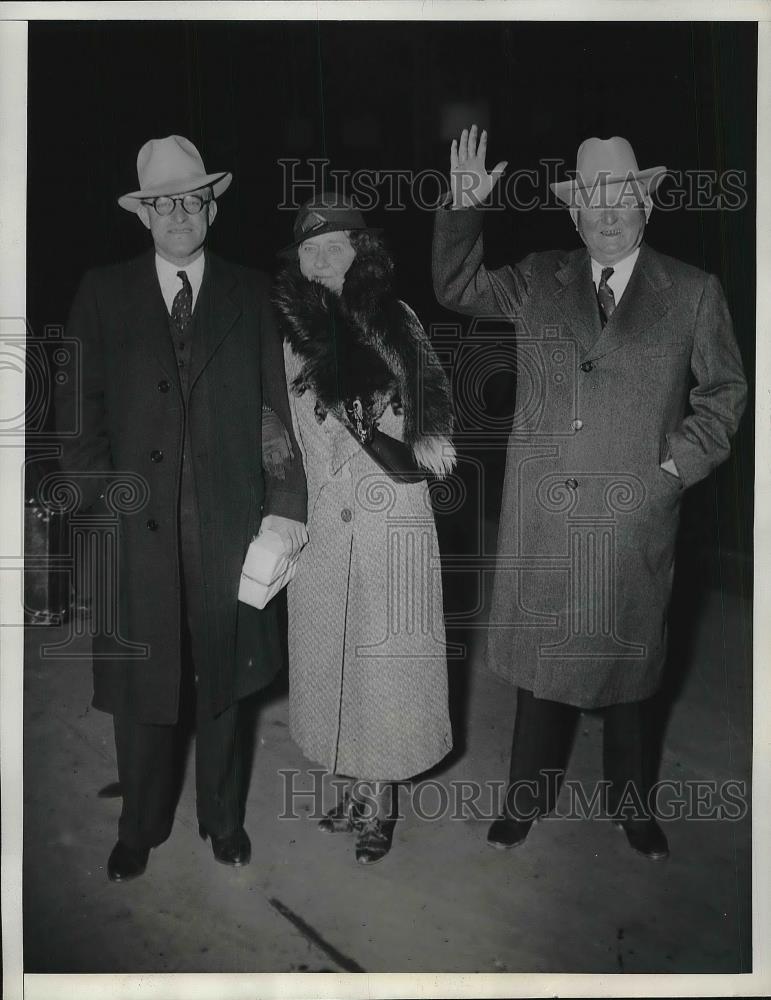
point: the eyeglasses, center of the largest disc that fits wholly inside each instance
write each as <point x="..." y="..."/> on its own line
<point x="165" y="205"/>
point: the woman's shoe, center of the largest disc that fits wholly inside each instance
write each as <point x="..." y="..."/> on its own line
<point x="374" y="840"/>
<point x="344" y="818"/>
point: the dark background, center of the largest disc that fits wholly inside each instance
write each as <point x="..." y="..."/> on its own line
<point x="380" y="96"/>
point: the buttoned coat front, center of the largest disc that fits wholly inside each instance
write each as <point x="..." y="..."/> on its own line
<point x="367" y="656"/>
<point x="132" y="413"/>
<point x="588" y="521"/>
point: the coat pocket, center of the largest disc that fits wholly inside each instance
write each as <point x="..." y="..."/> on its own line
<point x="667" y="349"/>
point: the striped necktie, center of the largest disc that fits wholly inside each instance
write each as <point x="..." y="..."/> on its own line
<point x="605" y="296"/>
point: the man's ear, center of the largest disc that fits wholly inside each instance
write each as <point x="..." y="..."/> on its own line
<point x="212" y="210"/>
<point x="574" y="215"/>
<point x="647" y="205"/>
<point x="144" y="214"/>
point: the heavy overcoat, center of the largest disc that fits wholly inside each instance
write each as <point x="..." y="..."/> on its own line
<point x="367" y="656"/>
<point x="589" y="518"/>
<point x="132" y="429"/>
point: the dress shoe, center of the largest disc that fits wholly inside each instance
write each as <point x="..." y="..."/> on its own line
<point x="126" y="862"/>
<point x="374" y="840"/>
<point x="235" y="849"/>
<point x="343" y="818"/>
<point x="647" y="838"/>
<point x="506" y="832"/>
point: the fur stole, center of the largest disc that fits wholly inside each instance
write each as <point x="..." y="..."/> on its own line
<point x="366" y="343"/>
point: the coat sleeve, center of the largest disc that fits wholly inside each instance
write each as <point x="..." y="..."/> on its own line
<point x="287" y="497"/>
<point x="719" y="395"/>
<point x="85" y="455"/>
<point x="461" y="280"/>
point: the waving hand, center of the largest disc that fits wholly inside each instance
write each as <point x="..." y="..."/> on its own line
<point x="470" y="182"/>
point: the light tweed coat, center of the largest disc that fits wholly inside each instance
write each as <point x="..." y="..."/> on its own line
<point x="367" y="657"/>
<point x="589" y="518"/>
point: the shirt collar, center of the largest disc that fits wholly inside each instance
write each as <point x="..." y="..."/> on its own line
<point x="171" y="284"/>
<point x="168" y="271"/>
<point x="622" y="270"/>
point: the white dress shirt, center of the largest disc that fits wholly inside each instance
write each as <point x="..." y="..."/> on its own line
<point x="171" y="284"/>
<point x="622" y="272"/>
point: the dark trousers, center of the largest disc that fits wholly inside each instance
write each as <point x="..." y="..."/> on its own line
<point x="543" y="737"/>
<point x="151" y="757"/>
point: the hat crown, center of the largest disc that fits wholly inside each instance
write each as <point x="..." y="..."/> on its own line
<point x="605" y="159"/>
<point x="170" y="160"/>
<point x="328" y="212"/>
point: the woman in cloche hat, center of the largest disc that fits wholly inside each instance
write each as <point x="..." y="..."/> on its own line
<point x="372" y="413"/>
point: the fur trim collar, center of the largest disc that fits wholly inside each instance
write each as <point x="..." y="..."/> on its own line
<point x="364" y="342"/>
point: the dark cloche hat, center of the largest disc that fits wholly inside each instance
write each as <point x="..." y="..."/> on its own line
<point x="326" y="213"/>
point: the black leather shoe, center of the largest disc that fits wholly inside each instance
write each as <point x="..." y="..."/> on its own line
<point x="506" y="832"/>
<point x="126" y="862"/>
<point x="647" y="838"/>
<point x="235" y="849"/>
<point x="374" y="840"/>
<point x="344" y="818"/>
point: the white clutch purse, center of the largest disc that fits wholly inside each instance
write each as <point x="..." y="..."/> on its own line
<point x="267" y="568"/>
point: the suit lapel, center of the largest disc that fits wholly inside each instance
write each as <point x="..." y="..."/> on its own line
<point x="217" y="309"/>
<point x="641" y="304"/>
<point x="640" y="307"/>
<point x="145" y="313"/>
<point x="576" y="299"/>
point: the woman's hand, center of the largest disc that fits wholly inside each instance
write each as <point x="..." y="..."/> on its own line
<point x="469" y="180"/>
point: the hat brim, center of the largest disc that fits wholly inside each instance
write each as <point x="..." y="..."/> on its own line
<point x="320" y="231"/>
<point x="567" y="191"/>
<point x="218" y="182"/>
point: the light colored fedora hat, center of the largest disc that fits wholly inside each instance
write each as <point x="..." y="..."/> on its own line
<point x="601" y="163"/>
<point x="171" y="166"/>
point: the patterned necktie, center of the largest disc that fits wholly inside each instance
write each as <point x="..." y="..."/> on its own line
<point x="605" y="296"/>
<point x="182" y="306"/>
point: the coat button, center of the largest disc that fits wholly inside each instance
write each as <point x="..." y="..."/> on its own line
<point x="346" y="514"/>
<point x="577" y="425"/>
<point x="152" y="524"/>
<point x="163" y="385"/>
<point x="586" y="366"/>
<point x="572" y="484"/>
<point x="156" y="455"/>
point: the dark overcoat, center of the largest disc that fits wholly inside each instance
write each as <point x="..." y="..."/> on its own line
<point x="589" y="518"/>
<point x="132" y="429"/>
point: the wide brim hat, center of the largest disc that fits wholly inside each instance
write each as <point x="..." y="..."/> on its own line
<point x="172" y="166"/>
<point x="326" y="213"/>
<point x="608" y="166"/>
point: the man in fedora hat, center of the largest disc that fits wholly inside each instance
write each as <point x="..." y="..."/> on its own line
<point x="179" y="357"/>
<point x="635" y="388"/>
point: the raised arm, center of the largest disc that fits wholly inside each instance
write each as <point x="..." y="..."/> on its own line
<point x="462" y="282"/>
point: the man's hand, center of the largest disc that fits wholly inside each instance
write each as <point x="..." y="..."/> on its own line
<point x="294" y="533"/>
<point x="469" y="180"/>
